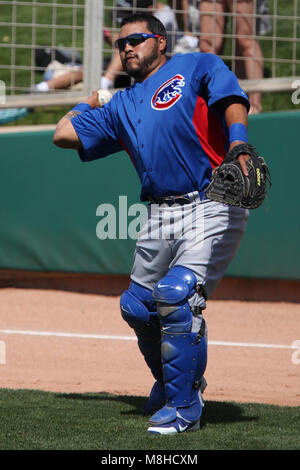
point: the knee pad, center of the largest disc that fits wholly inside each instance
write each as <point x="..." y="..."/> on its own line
<point x="139" y="311"/>
<point x="137" y="305"/>
<point x="171" y="294"/>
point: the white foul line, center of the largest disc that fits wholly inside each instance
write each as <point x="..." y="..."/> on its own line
<point x="133" y="338"/>
<point x="66" y="335"/>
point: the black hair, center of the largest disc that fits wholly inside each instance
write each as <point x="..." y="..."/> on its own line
<point x="153" y="24"/>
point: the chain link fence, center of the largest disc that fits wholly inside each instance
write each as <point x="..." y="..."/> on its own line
<point x="73" y="40"/>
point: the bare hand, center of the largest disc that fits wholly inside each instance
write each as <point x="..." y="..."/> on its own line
<point x="241" y="158"/>
<point x="93" y="100"/>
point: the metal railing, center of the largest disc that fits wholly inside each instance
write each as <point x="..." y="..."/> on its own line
<point x="75" y="28"/>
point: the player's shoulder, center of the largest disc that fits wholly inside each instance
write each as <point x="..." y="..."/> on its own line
<point x="210" y="62"/>
<point x="119" y="98"/>
<point x="199" y="62"/>
<point x="202" y="57"/>
<point x="123" y="93"/>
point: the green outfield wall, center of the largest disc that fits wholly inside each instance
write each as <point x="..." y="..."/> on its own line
<point x="51" y="206"/>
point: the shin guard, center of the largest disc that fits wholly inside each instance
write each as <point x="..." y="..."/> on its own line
<point x="184" y="352"/>
<point x="138" y="310"/>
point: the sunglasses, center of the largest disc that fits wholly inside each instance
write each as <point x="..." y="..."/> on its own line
<point x="133" y="40"/>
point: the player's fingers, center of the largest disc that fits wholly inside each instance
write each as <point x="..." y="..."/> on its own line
<point x="93" y="99"/>
<point x="242" y="161"/>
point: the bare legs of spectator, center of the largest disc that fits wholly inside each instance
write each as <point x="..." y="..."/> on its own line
<point x="60" y="81"/>
<point x="66" y="80"/>
<point x="212" y="26"/>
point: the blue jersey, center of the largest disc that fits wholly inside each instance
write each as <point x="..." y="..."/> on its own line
<point x="170" y="124"/>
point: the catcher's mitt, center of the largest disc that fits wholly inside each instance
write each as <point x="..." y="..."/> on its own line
<point x="230" y="186"/>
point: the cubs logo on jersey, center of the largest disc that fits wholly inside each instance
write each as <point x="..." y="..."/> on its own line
<point x="168" y="93"/>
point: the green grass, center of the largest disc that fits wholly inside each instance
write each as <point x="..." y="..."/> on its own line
<point x="35" y="420"/>
<point x="22" y="35"/>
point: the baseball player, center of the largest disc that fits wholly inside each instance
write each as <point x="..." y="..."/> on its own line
<point x="177" y="123"/>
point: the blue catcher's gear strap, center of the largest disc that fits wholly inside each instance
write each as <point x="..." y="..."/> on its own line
<point x="184" y="352"/>
<point x="137" y="308"/>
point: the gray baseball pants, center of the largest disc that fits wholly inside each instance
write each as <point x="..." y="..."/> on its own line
<point x="203" y="236"/>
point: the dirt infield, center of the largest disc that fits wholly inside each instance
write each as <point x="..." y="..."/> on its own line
<point x="77" y="342"/>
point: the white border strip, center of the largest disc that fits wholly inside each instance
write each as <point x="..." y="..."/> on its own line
<point x="133" y="338"/>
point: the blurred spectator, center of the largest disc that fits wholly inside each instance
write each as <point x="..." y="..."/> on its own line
<point x="188" y="19"/>
<point x="60" y="74"/>
<point x="63" y="68"/>
<point x="112" y="76"/>
<point x="212" y="26"/>
<point x="263" y="22"/>
<point x="205" y="19"/>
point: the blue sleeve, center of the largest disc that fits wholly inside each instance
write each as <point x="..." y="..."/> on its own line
<point x="96" y="131"/>
<point x="218" y="82"/>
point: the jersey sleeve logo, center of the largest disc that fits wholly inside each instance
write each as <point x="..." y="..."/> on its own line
<point x="168" y="93"/>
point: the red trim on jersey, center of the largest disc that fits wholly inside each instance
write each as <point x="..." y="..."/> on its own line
<point x="210" y="133"/>
<point x="126" y="150"/>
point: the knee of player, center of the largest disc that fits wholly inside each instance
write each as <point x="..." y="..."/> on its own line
<point x="136" y="305"/>
<point x="171" y="294"/>
<point x="177" y="285"/>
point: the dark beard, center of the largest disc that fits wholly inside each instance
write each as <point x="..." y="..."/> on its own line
<point x="145" y="65"/>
